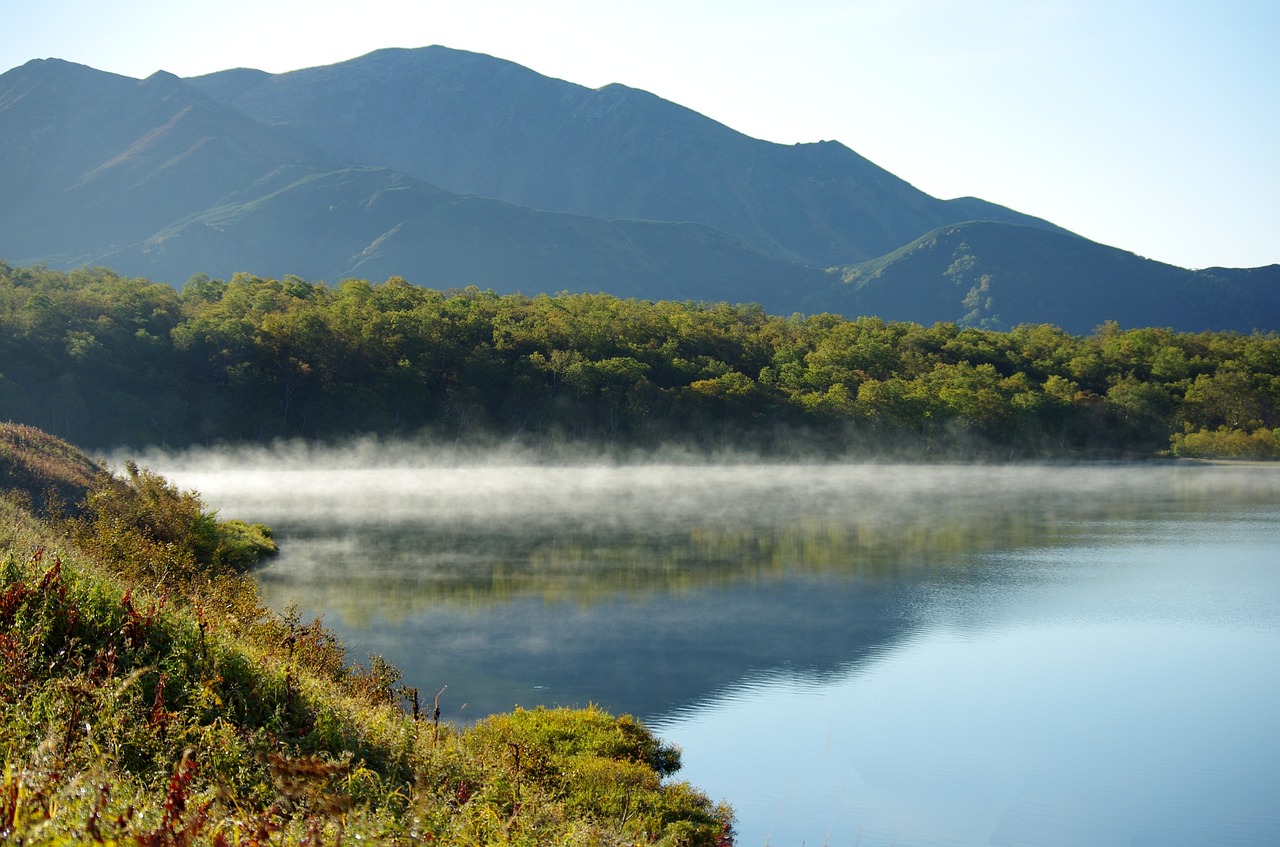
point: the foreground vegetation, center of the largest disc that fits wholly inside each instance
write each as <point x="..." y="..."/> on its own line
<point x="147" y="697"/>
<point x="106" y="361"/>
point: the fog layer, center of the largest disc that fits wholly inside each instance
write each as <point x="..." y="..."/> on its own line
<point x="398" y="483"/>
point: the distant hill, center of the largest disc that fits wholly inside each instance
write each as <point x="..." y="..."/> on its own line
<point x="997" y="276"/>
<point x="451" y="169"/>
<point x="479" y="125"/>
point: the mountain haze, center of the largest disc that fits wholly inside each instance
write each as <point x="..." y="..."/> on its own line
<point x="374" y="223"/>
<point x="95" y="160"/>
<point x="451" y="168"/>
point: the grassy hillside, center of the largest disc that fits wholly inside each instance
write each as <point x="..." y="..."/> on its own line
<point x="148" y="697"/>
<point x="44" y="472"/>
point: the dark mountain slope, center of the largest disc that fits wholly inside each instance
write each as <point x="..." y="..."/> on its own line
<point x="374" y="223"/>
<point x="478" y="125"/>
<point x="1000" y="275"/>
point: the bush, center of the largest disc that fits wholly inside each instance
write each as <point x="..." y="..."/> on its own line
<point x="242" y="545"/>
<point x="1227" y="443"/>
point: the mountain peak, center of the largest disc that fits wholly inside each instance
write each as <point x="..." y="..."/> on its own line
<point x="52" y="62"/>
<point x="56" y="69"/>
<point x="166" y="84"/>
<point x="163" y="77"/>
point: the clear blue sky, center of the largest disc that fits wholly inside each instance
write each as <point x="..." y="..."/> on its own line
<point x="1152" y="125"/>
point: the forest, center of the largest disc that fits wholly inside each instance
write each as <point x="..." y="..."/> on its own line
<point x="105" y="360"/>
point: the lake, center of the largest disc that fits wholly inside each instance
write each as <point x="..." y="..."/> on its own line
<point x="849" y="653"/>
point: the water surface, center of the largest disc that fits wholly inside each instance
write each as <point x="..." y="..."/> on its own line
<point x="850" y="654"/>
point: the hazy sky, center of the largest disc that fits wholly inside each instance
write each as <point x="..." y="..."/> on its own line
<point x="1152" y="125"/>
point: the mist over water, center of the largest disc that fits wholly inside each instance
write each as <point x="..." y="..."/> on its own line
<point x="850" y="653"/>
<point x="375" y="483"/>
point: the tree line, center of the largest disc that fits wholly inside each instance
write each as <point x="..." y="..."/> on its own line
<point x="104" y="360"/>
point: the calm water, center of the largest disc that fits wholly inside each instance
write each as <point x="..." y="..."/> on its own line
<point x="850" y="654"/>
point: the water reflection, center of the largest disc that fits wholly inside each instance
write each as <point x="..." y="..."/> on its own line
<point x="417" y="537"/>
<point x="1124" y="696"/>
<point x="1020" y="737"/>
<point x="643" y="587"/>
<point x="850" y="654"/>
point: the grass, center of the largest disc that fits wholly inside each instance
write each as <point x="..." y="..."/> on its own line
<point x="148" y="697"/>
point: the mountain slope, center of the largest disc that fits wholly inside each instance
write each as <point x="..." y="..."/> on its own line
<point x="478" y="125"/>
<point x="94" y="160"/>
<point x="288" y="174"/>
<point x="1000" y="275"/>
<point x="154" y="178"/>
<point x="374" y="223"/>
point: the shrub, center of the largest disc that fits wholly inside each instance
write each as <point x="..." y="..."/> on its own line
<point x="1227" y="443"/>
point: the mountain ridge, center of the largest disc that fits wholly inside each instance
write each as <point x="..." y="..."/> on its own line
<point x="476" y="124"/>
<point x="156" y="149"/>
<point x="178" y="185"/>
<point x="169" y="178"/>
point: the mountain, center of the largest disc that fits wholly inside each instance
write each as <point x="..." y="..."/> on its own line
<point x="1000" y="275"/>
<point x="373" y="223"/>
<point x="475" y="124"/>
<point x="451" y="168"/>
<point x="155" y="178"/>
<point x="94" y="160"/>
